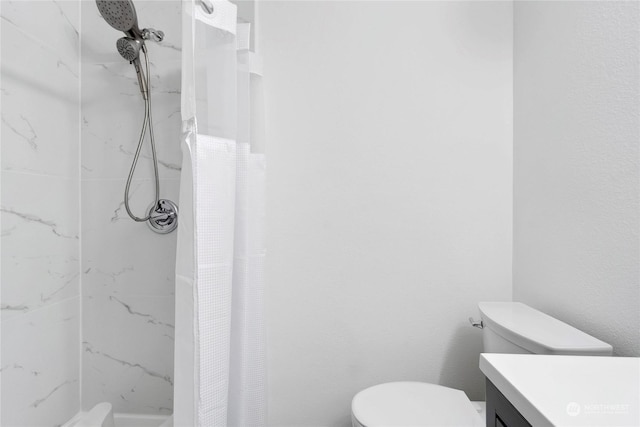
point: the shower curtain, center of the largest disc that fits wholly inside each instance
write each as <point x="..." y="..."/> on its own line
<point x="219" y="341"/>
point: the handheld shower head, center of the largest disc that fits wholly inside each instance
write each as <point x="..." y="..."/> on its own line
<point x="129" y="48"/>
<point x="121" y="15"/>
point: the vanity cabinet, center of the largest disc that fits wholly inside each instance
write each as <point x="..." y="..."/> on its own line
<point x="500" y="412"/>
<point x="522" y="381"/>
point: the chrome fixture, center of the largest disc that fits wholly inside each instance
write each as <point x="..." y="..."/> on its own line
<point x="164" y="218"/>
<point x="121" y="15"/>
<point x="153" y="34"/>
<point x="476" y="323"/>
<point x="207" y="6"/>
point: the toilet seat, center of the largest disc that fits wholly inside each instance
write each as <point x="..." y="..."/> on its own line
<point x="410" y="403"/>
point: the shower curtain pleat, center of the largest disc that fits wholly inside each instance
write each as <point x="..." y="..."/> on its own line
<point x="220" y="346"/>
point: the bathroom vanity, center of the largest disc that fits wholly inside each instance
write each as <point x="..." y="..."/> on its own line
<point x="500" y="412"/>
<point x="540" y="390"/>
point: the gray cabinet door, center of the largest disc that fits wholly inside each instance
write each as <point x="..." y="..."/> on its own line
<point x="500" y="412"/>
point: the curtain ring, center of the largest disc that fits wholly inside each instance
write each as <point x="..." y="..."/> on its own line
<point x="207" y="6"/>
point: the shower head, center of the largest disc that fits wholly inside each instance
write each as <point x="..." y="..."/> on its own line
<point x="129" y="48"/>
<point x="121" y="15"/>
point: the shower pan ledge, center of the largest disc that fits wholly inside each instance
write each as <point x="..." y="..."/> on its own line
<point x="102" y="415"/>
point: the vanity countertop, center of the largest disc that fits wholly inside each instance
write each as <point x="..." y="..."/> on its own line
<point x="568" y="390"/>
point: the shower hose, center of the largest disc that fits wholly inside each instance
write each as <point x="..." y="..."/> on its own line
<point x="146" y="124"/>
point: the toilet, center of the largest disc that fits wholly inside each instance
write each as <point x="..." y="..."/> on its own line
<point x="507" y="327"/>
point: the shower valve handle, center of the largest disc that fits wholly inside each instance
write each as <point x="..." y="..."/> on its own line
<point x="163" y="216"/>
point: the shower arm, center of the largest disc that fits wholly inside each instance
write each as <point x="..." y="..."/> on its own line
<point x="152" y="34"/>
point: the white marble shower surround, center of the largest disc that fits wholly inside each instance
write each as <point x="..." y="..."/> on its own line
<point x="71" y="258"/>
<point x="127" y="270"/>
<point x="127" y="357"/>
<point x="40" y="212"/>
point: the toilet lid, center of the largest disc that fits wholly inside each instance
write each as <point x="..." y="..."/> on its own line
<point x="414" y="404"/>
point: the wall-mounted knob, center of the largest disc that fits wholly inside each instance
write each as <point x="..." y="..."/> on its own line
<point x="163" y="217"/>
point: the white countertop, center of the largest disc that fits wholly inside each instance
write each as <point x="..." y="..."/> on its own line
<point x="568" y="390"/>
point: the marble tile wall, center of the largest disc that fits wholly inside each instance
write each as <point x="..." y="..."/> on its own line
<point x="63" y="219"/>
<point x="40" y="204"/>
<point x="127" y="270"/>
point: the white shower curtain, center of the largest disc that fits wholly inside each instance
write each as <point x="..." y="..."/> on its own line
<point x="219" y="342"/>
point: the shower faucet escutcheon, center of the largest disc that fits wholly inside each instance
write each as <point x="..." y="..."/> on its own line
<point x="164" y="217"/>
<point x="121" y="15"/>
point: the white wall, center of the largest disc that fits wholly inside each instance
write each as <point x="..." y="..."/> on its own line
<point x="576" y="165"/>
<point x="40" y="212"/>
<point x="389" y="195"/>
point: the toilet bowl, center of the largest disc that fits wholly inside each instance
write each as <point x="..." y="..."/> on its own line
<point x="410" y="403"/>
<point x="507" y="327"/>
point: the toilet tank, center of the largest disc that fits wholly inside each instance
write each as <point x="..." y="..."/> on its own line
<point x="513" y="327"/>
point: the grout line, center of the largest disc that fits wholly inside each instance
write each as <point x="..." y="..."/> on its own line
<point x="0" y="217"/>
<point x="40" y="308"/>
<point x="80" y="266"/>
<point x="31" y="173"/>
<point x="124" y="179"/>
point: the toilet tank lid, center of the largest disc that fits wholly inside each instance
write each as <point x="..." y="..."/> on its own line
<point x="538" y="332"/>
